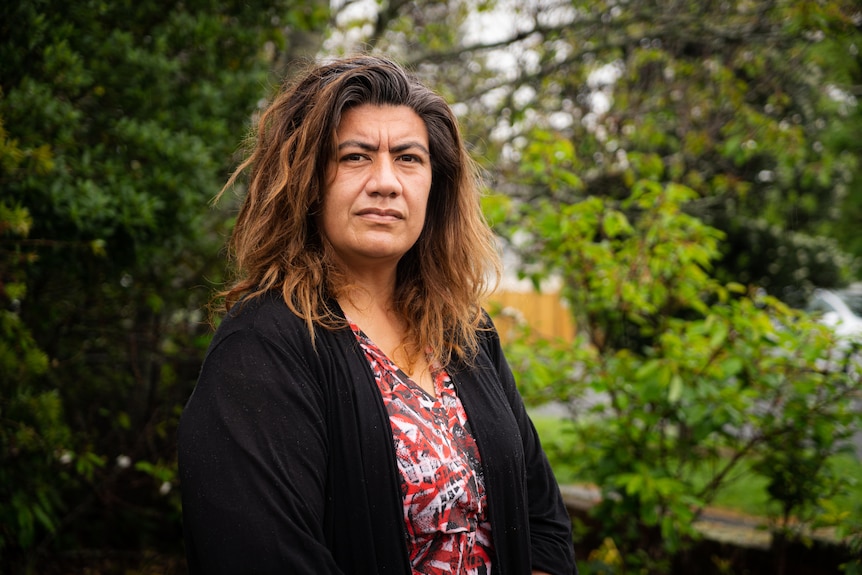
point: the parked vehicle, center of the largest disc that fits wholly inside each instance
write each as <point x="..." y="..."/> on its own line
<point x="841" y="310"/>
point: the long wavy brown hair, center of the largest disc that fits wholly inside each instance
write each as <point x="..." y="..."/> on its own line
<point x="277" y="242"/>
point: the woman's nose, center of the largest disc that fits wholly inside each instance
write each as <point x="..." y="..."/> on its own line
<point x="383" y="180"/>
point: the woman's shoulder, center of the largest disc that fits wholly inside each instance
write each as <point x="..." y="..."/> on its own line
<point x="263" y="316"/>
<point x="489" y="337"/>
<point x="261" y="310"/>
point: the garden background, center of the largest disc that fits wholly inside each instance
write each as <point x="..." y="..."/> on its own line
<point x="682" y="174"/>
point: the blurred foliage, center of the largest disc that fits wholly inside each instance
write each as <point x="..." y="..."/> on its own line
<point x="676" y="383"/>
<point x="118" y="121"/>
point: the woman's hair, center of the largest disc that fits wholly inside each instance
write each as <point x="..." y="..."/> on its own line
<point x="277" y="242"/>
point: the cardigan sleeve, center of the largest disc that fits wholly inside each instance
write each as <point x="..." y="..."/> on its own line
<point x="551" y="541"/>
<point x="252" y="452"/>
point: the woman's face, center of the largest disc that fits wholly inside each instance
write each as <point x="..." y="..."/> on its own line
<point x="377" y="185"/>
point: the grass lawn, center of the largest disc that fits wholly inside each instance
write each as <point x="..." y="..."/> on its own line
<point x="746" y="493"/>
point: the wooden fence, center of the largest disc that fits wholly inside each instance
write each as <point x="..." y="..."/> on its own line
<point x="545" y="313"/>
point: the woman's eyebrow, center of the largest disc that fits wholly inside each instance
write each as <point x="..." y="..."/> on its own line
<point x="403" y="147"/>
<point x="372" y="148"/>
<point x="357" y="144"/>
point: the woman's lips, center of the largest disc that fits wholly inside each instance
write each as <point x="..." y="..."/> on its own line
<point x="381" y="213"/>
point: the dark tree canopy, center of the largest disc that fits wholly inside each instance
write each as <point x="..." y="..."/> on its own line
<point x="118" y="125"/>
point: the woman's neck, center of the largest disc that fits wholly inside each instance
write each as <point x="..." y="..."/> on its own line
<point x="370" y="286"/>
<point x="371" y="309"/>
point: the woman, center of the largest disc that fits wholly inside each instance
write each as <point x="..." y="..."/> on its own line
<point x="354" y="413"/>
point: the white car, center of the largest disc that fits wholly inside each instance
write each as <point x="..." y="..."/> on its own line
<point x="841" y="310"/>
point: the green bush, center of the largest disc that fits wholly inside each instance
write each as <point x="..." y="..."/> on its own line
<point x="118" y="122"/>
<point x="676" y="381"/>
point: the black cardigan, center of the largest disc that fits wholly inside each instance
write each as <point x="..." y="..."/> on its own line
<point x="287" y="463"/>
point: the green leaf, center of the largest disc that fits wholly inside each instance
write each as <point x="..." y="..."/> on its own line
<point x="675" y="389"/>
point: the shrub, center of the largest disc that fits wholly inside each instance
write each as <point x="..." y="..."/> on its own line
<point x="674" y="379"/>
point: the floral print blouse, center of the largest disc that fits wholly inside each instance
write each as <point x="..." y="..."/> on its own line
<point x="440" y="470"/>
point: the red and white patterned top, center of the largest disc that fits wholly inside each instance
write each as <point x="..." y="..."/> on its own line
<point x="442" y="484"/>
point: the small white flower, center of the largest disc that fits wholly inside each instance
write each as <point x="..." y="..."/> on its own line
<point x="165" y="488"/>
<point x="123" y="461"/>
<point x="66" y="457"/>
